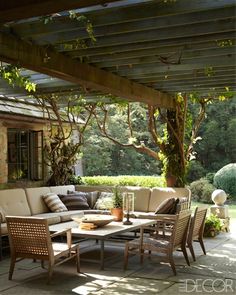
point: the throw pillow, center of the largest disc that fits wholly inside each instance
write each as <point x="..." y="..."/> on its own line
<point x="2" y="215"/>
<point x="91" y="196"/>
<point x="54" y="203"/>
<point x="104" y="201"/>
<point x="166" y="206"/>
<point x="174" y="208"/>
<point x="76" y="201"/>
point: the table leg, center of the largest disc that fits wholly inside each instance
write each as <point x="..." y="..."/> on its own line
<point x="102" y="255"/>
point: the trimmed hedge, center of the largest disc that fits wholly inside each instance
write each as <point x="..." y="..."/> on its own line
<point x="125" y="180"/>
<point x="225" y="179"/>
<point x="202" y="190"/>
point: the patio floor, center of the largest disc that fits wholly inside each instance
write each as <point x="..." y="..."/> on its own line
<point x="213" y="273"/>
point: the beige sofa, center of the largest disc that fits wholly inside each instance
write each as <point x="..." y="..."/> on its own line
<point x="29" y="202"/>
<point x="146" y="200"/>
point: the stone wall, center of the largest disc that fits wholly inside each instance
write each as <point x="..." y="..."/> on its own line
<point x="4" y="125"/>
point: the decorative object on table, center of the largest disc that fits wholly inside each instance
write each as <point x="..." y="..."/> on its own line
<point x="117" y="200"/>
<point x="93" y="221"/>
<point x="128" y="206"/>
<point x="87" y="226"/>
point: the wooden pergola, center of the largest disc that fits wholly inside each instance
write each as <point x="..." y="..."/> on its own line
<point x="144" y="50"/>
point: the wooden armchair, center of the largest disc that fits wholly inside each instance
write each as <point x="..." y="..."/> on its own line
<point x="29" y="237"/>
<point x="196" y="230"/>
<point x="174" y="231"/>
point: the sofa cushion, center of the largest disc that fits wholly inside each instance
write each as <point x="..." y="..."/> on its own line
<point x="35" y="199"/>
<point x="141" y="197"/>
<point x="4" y="230"/>
<point x="159" y="194"/>
<point x="2" y="215"/>
<point x="54" y="203"/>
<point x="141" y="194"/>
<point x="104" y="201"/>
<point x="66" y="216"/>
<point x="51" y="217"/>
<point x="76" y="201"/>
<point x="143" y="215"/>
<point x="61" y="189"/>
<point x="14" y="202"/>
<point x="91" y="196"/>
<point x="166" y="206"/>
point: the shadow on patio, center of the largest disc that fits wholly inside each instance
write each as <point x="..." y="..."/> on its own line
<point x="214" y="273"/>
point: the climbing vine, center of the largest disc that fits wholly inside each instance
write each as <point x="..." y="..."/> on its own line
<point x="82" y="19"/>
<point x="12" y="75"/>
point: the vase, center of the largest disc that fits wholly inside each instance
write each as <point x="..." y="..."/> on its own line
<point x="118" y="213"/>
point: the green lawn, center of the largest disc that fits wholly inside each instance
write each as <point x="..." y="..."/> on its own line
<point x="232" y="208"/>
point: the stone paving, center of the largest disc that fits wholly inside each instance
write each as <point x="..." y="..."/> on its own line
<point x="214" y="273"/>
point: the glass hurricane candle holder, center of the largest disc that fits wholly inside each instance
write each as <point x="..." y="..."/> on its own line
<point x="128" y="206"/>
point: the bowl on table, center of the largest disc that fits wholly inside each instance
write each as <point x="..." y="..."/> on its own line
<point x="98" y="220"/>
<point x="78" y="217"/>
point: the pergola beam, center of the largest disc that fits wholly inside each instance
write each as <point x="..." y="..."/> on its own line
<point x="55" y="64"/>
<point x="13" y="10"/>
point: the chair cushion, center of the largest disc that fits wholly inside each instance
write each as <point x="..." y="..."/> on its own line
<point x="54" y="203"/>
<point x="104" y="201"/>
<point x="166" y="206"/>
<point x="76" y="201"/>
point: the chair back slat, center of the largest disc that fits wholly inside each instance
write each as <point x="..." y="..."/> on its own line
<point x="181" y="228"/>
<point x="197" y="223"/>
<point x="183" y="205"/>
<point x="29" y="236"/>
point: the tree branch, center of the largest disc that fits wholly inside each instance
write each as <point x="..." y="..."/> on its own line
<point x="196" y="127"/>
<point x="140" y="148"/>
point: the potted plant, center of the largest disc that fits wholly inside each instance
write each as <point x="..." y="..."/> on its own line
<point x="212" y="226"/>
<point x="117" y="201"/>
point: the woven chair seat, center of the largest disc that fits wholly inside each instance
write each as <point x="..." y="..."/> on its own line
<point x="150" y="243"/>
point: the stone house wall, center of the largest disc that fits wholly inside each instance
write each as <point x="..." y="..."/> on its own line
<point x="6" y="123"/>
<point x="28" y="124"/>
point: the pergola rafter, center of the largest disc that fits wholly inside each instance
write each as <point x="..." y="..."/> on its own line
<point x="144" y="51"/>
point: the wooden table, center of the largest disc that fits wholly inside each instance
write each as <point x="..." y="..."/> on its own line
<point x="102" y="233"/>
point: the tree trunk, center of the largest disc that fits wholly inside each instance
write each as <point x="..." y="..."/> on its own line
<point x="171" y="181"/>
<point x="175" y="162"/>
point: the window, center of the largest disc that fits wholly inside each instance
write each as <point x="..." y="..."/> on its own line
<point x="25" y="154"/>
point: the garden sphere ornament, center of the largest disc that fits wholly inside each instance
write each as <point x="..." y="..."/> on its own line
<point x="219" y="197"/>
